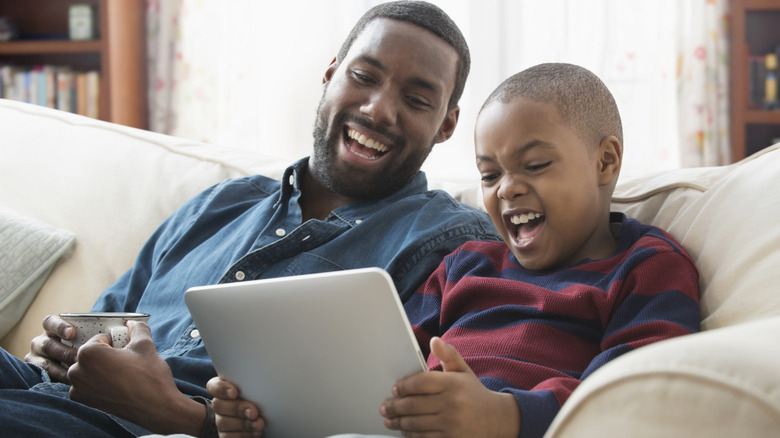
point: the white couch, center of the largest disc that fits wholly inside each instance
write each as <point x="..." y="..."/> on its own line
<point x="111" y="186"/>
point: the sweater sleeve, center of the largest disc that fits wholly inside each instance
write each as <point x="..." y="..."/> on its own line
<point x="658" y="300"/>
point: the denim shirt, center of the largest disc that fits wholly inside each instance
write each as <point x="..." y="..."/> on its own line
<point x="250" y="228"/>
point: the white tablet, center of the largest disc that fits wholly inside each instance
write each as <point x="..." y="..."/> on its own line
<point x="319" y="352"/>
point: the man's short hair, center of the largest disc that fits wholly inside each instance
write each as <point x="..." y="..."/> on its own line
<point x="426" y="16"/>
<point x="582" y="99"/>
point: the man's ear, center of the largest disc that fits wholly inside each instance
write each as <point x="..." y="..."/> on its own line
<point x="449" y="124"/>
<point x="329" y="72"/>
<point x="610" y="159"/>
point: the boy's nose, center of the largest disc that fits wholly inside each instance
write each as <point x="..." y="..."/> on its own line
<point x="381" y="108"/>
<point x="511" y="187"/>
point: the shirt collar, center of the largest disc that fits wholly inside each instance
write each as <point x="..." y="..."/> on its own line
<point x="291" y="181"/>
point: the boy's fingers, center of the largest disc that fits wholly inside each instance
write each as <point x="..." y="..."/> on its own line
<point x="451" y="360"/>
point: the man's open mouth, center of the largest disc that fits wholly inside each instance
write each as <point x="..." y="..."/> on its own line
<point x="364" y="146"/>
<point x="525" y="227"/>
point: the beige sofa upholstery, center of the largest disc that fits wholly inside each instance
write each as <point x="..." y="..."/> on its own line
<point x="111" y="186"/>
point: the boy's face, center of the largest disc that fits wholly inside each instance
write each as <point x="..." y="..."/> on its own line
<point x="384" y="107"/>
<point x="541" y="185"/>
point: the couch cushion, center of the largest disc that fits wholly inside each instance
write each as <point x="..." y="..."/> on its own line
<point x="110" y="185"/>
<point x="726" y="218"/>
<point x="29" y="249"/>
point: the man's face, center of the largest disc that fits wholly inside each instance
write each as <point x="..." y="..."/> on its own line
<point x="383" y="109"/>
<point x="540" y="185"/>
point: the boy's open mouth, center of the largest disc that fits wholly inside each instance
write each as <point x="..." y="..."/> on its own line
<point x="364" y="146"/>
<point x="525" y="226"/>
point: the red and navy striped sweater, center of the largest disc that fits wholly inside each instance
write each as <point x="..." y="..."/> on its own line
<point x="538" y="334"/>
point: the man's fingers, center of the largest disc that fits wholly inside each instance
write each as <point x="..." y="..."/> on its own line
<point x="238" y="416"/>
<point x="58" y="327"/>
<point x="45" y="350"/>
<point x="56" y="371"/>
<point x="221" y="388"/>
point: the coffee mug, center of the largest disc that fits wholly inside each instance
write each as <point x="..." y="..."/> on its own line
<point x="90" y="324"/>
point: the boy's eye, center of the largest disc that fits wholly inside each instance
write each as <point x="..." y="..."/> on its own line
<point x="489" y="177"/>
<point x="537" y="167"/>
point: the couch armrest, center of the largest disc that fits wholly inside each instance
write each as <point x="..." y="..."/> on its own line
<point x="719" y="383"/>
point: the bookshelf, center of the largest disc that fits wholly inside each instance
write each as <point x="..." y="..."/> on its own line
<point x="117" y="53"/>
<point x="755" y="33"/>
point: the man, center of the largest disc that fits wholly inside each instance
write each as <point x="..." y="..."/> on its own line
<point x="389" y="96"/>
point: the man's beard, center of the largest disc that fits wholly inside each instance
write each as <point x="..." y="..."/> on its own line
<point x="344" y="178"/>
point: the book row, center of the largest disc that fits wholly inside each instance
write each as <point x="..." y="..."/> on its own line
<point x="55" y="87"/>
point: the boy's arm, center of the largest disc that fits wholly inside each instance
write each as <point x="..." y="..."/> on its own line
<point x="451" y="403"/>
<point x="659" y="301"/>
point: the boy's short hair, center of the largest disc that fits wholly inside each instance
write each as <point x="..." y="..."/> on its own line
<point x="426" y="16"/>
<point x="582" y="99"/>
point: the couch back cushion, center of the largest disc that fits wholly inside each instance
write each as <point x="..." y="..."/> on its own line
<point x="109" y="185"/>
<point x="726" y="217"/>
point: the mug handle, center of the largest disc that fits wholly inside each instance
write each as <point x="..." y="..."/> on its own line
<point x="119" y="336"/>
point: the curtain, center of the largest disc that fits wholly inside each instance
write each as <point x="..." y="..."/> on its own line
<point x="248" y="73"/>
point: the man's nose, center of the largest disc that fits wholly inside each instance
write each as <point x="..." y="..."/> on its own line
<point x="381" y="107"/>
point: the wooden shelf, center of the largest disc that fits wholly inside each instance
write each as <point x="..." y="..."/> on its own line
<point x="754" y="31"/>
<point x="50" y="47"/>
<point x="763" y="117"/>
<point x="118" y="52"/>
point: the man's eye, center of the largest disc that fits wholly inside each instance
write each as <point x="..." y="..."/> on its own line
<point x="489" y="177"/>
<point x="417" y="101"/>
<point x="361" y="77"/>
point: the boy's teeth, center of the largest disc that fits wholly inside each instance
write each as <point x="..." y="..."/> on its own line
<point x="524" y="218"/>
<point x="365" y="141"/>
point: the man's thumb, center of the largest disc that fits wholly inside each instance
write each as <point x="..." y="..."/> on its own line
<point x="451" y="361"/>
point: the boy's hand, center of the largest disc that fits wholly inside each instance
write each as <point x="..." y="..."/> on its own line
<point x="453" y="403"/>
<point x="234" y="417"/>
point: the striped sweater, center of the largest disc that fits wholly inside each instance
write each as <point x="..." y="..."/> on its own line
<point x="538" y="334"/>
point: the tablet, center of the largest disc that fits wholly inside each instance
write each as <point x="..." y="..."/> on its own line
<point x="318" y="352"/>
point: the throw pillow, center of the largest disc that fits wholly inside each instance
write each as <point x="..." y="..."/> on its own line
<point x="29" y="250"/>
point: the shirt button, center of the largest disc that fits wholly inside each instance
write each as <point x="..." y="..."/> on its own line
<point x="358" y="221"/>
<point x="292" y="179"/>
<point x="240" y="276"/>
<point x="280" y="232"/>
<point x="195" y="334"/>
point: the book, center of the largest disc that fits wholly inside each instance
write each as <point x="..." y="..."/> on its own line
<point x="756" y="81"/>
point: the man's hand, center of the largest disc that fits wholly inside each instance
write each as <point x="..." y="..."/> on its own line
<point x="134" y="383"/>
<point x="235" y="417"/>
<point x="48" y="352"/>
<point x="453" y="403"/>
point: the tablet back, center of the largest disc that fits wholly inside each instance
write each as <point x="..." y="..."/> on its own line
<point x="319" y="353"/>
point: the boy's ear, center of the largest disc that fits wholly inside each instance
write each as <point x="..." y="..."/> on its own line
<point x="449" y="124"/>
<point x="329" y="72"/>
<point x="610" y="159"/>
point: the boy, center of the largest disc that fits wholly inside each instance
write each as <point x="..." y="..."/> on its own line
<point x="572" y="286"/>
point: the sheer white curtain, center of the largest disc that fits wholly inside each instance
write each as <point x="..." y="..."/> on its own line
<point x="248" y="73"/>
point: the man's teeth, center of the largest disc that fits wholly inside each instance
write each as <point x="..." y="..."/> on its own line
<point x="365" y="141"/>
<point x="524" y="218"/>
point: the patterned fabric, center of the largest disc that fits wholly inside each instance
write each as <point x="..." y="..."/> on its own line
<point x="28" y="251"/>
<point x="538" y="334"/>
